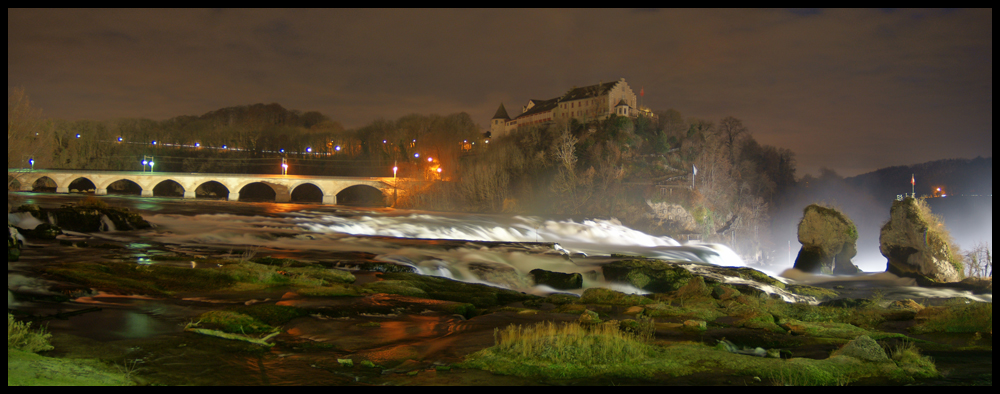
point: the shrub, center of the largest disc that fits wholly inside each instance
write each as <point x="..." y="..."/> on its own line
<point x="21" y="337"/>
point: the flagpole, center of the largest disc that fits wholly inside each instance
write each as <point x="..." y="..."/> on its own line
<point x="913" y="182"/>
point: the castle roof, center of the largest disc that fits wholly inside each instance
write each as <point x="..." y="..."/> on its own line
<point x="501" y="113"/>
<point x="622" y="103"/>
<point x="589" y="91"/>
<point x="541" y="106"/>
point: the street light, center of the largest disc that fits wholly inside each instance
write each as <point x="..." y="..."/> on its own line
<point x="147" y="161"/>
<point x="309" y="150"/>
<point x="32" y="162"/>
<point x="284" y="166"/>
<point x="337" y="148"/>
<point x="417" y="156"/>
<point x="77" y="136"/>
<point x="120" y="139"/>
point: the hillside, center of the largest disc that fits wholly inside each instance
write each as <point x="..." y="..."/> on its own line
<point x="956" y="177"/>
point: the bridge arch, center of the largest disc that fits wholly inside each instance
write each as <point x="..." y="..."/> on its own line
<point x="365" y="195"/>
<point x="123" y="187"/>
<point x="257" y="190"/>
<point x="212" y="189"/>
<point x="81" y="185"/>
<point x="307" y="192"/>
<point x="40" y="184"/>
<point x="169" y="188"/>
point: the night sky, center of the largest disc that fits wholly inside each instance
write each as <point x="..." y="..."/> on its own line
<point x="852" y="90"/>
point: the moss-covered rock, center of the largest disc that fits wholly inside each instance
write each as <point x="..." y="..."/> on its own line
<point x="233" y="323"/>
<point x="556" y="280"/>
<point x="725" y="293"/>
<point x="649" y="275"/>
<point x="829" y="241"/>
<point x="918" y="246"/>
<point x="865" y="349"/>
<point x="818" y="293"/>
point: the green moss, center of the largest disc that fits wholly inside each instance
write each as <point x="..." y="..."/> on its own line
<point x="815" y="292"/>
<point x="397" y="287"/>
<point x="611" y="297"/>
<point x="233" y="323"/>
<point x="142" y="280"/>
<point x="956" y="317"/>
<point x="705" y="311"/>
<point x="538" y="359"/>
<point x="27" y="369"/>
<point x="272" y="315"/>
<point x="333" y="291"/>
<point x="757" y="276"/>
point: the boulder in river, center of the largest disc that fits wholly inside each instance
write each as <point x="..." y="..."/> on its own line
<point x="918" y="245"/>
<point x="648" y="275"/>
<point x="829" y="241"/>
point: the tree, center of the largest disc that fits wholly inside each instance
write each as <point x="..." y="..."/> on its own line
<point x="27" y="138"/>
<point x="732" y="131"/>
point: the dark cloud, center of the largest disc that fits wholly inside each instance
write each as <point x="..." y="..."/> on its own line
<point x="852" y="90"/>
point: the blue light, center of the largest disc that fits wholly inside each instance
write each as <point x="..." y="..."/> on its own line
<point x="417" y="155"/>
<point x="154" y="142"/>
<point x="282" y="151"/>
<point x="120" y="139"/>
<point x="77" y="136"/>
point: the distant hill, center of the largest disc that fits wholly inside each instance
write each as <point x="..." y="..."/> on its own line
<point x="957" y="177"/>
<point x="266" y="114"/>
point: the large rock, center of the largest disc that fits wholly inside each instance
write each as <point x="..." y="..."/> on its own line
<point x="829" y="241"/>
<point x="651" y="276"/>
<point x="865" y="349"/>
<point x="13" y="245"/>
<point x="917" y="245"/>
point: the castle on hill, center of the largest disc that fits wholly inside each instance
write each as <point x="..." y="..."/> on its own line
<point x="597" y="102"/>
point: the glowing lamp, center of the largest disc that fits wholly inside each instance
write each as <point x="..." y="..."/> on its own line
<point x="439" y="170"/>
<point x="430" y="159"/>
<point x="225" y="147"/>
<point x="145" y="163"/>
<point x="197" y="145"/>
<point x="77" y="136"/>
<point x="337" y="148"/>
<point x="416" y="156"/>
<point x="154" y="142"/>
<point x="309" y="150"/>
<point x="120" y="139"/>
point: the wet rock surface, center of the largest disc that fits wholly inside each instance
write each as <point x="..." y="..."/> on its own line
<point x="916" y="246"/>
<point x="829" y="242"/>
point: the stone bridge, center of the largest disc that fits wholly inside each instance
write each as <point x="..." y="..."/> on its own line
<point x="283" y="185"/>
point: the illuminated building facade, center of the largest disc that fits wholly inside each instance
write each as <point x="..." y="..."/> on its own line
<point x="597" y="102"/>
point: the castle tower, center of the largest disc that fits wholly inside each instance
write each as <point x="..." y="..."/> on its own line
<point x="498" y="126"/>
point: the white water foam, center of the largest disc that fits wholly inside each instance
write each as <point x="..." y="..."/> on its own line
<point x="385" y="237"/>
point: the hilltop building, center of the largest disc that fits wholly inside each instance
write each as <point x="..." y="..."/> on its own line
<point x="597" y="102"/>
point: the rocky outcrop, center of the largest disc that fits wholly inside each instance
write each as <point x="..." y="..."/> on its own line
<point x="673" y="217"/>
<point x="89" y="218"/>
<point x="917" y="245"/>
<point x="829" y="241"/>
